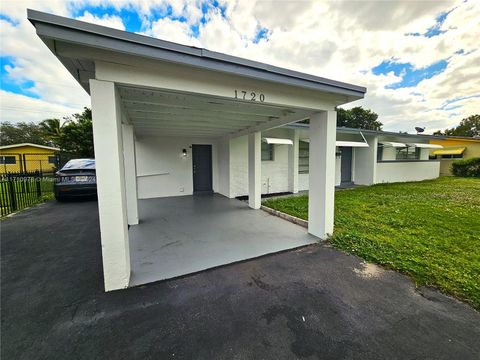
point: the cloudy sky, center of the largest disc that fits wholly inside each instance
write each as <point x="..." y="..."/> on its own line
<point x="420" y="61"/>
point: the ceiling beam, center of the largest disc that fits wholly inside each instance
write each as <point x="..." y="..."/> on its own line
<point x="284" y="120"/>
<point x="183" y="126"/>
<point x="179" y="118"/>
<point x="195" y="112"/>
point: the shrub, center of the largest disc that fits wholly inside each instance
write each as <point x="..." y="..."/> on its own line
<point x="466" y="168"/>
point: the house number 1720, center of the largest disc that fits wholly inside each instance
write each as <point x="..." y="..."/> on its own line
<point x="249" y="95"/>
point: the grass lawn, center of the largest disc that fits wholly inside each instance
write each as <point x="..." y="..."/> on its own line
<point x="25" y="197"/>
<point x="429" y="230"/>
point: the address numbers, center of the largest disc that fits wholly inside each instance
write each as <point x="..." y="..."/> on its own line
<point x="249" y="95"/>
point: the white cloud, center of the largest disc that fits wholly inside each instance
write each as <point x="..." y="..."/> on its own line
<point x="18" y="108"/>
<point x="112" y="21"/>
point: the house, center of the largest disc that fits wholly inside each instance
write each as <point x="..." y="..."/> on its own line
<point x="177" y="130"/>
<point x="27" y="157"/>
<point x="454" y="148"/>
<point x="362" y="157"/>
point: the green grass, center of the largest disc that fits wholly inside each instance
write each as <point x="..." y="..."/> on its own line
<point x="46" y="186"/>
<point x="429" y="230"/>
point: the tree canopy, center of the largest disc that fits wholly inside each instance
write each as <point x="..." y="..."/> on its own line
<point x="358" y="118"/>
<point x="73" y="134"/>
<point x="22" y="132"/>
<point x="469" y="126"/>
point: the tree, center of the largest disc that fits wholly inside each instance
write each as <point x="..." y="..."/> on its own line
<point x="358" y="118"/>
<point x="469" y="126"/>
<point x="22" y="132"/>
<point x="77" y="135"/>
<point x="53" y="129"/>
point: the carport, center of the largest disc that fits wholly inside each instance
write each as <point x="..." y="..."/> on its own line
<point x="164" y="116"/>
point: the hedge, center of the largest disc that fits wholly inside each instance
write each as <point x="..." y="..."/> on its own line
<point x="466" y="168"/>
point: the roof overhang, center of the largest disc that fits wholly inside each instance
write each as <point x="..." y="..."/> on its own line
<point x="351" y="144"/>
<point x="451" y="151"/>
<point x="425" y="146"/>
<point x="277" y="141"/>
<point x="54" y="29"/>
<point x="29" y="144"/>
<point x="393" y="144"/>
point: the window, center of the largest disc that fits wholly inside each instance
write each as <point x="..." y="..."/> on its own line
<point x="303" y="151"/>
<point x="408" y="153"/>
<point x="267" y="152"/>
<point x="8" y="160"/>
<point x="452" y="156"/>
<point x="379" y="152"/>
<point x="52" y="159"/>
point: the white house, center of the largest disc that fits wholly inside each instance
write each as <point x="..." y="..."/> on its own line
<point x="171" y="121"/>
<point x="367" y="157"/>
<point x="362" y="157"/>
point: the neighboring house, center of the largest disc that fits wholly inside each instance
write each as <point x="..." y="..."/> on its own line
<point x="454" y="148"/>
<point x="167" y="121"/>
<point x="27" y="157"/>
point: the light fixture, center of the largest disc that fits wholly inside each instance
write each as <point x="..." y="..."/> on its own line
<point x="184" y="153"/>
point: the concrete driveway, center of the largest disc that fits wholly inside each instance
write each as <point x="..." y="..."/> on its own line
<point x="305" y="304"/>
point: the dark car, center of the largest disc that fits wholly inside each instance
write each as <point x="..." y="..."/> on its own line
<point x="75" y="179"/>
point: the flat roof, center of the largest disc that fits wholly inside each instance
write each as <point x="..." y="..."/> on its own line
<point x="347" y="130"/>
<point x="53" y="28"/>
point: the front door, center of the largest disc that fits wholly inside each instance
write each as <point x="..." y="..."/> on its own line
<point x="202" y="168"/>
<point x="346" y="165"/>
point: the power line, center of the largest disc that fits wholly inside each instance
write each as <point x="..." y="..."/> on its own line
<point x="12" y="108"/>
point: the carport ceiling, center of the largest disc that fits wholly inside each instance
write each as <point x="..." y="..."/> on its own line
<point x="157" y="112"/>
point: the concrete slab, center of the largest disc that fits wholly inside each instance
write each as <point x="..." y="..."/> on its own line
<point x="185" y="234"/>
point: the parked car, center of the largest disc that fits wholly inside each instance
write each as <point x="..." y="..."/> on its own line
<point x="77" y="178"/>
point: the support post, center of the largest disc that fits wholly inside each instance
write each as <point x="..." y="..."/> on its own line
<point x="254" y="170"/>
<point x="107" y="136"/>
<point x="321" y="173"/>
<point x="130" y="173"/>
<point x="293" y="163"/>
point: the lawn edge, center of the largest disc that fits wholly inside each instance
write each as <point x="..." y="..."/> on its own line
<point x="293" y="219"/>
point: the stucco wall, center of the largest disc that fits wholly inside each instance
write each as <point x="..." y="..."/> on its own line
<point x="163" y="171"/>
<point x="364" y="162"/>
<point x="274" y="172"/>
<point x="399" y="171"/>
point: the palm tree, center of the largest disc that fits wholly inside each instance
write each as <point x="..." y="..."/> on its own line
<point x="53" y="129"/>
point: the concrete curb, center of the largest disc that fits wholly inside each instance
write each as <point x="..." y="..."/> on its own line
<point x="284" y="216"/>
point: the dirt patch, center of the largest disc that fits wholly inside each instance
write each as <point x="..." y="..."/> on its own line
<point x="369" y="271"/>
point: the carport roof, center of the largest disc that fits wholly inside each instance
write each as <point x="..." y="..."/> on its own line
<point x="53" y="28"/>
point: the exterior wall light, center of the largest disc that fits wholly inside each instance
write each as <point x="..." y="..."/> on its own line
<point x="184" y="153"/>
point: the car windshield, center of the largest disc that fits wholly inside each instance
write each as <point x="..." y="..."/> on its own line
<point x="79" y="164"/>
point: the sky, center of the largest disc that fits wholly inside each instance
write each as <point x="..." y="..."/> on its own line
<point x="419" y="60"/>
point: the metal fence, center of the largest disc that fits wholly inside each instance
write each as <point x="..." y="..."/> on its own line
<point x="22" y="189"/>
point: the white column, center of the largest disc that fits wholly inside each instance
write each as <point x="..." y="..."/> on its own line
<point x="107" y="135"/>
<point x="254" y="170"/>
<point x="293" y="163"/>
<point x="321" y="173"/>
<point x="130" y="173"/>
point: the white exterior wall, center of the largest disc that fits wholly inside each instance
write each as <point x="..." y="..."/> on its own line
<point x="239" y="166"/>
<point x="163" y="171"/>
<point x="274" y="173"/>
<point x="302" y="182"/>
<point x="223" y="158"/>
<point x="399" y="171"/>
<point x="338" y="170"/>
<point x="364" y="163"/>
